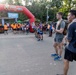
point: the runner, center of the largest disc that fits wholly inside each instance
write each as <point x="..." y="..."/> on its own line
<point x="27" y="29"/>
<point x="18" y="28"/>
<point x="59" y="37"/>
<point x="70" y="50"/>
<point x="40" y="32"/>
<point x="5" y="29"/>
<point x="14" y="27"/>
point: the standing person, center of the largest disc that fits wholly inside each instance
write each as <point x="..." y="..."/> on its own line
<point x="14" y="27"/>
<point x="5" y="28"/>
<point x="41" y="34"/>
<point x="50" y="31"/>
<point x="59" y="37"/>
<point x="70" y="50"/>
<point x="27" y="29"/>
<point x="44" y="28"/>
<point x="18" y="28"/>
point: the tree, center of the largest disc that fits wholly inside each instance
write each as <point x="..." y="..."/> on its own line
<point x="8" y="1"/>
<point x="67" y="5"/>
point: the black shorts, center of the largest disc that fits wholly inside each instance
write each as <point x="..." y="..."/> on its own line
<point x="5" y="30"/>
<point x="14" y="29"/>
<point x="70" y="56"/>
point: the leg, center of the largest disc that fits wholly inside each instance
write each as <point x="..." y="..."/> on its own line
<point x="38" y="36"/>
<point x="51" y="32"/>
<point x="66" y="67"/>
<point x="60" y="48"/>
<point x="56" y="47"/>
<point x="7" y="32"/>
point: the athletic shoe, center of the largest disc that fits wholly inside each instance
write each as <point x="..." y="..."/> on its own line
<point x="38" y="40"/>
<point x="58" y="58"/>
<point x="54" y="55"/>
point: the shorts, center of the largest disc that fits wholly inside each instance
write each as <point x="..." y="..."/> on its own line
<point x="5" y="30"/>
<point x="70" y="56"/>
<point x="58" y="40"/>
<point x="14" y="29"/>
<point x="18" y="29"/>
<point x="41" y="33"/>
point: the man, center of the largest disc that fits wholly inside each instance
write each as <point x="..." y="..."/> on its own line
<point x="50" y="31"/>
<point x="59" y="37"/>
<point x="5" y="28"/>
<point x="27" y="29"/>
<point x="14" y="26"/>
<point x="70" y="50"/>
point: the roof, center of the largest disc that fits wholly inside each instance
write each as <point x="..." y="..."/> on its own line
<point x="6" y="18"/>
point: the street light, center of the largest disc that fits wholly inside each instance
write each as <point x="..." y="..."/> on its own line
<point x="47" y="17"/>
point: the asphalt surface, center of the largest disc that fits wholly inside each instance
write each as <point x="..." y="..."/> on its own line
<point x="22" y="54"/>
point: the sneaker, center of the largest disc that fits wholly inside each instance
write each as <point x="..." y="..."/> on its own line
<point x="54" y="55"/>
<point x="38" y="40"/>
<point x="41" y="39"/>
<point x="58" y="58"/>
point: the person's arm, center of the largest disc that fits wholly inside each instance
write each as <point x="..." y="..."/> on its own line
<point x="60" y="31"/>
<point x="70" y="33"/>
<point x="61" y="28"/>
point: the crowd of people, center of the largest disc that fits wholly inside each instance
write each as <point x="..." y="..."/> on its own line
<point x="16" y="28"/>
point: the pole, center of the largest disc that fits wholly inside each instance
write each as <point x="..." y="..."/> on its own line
<point x="2" y="21"/>
<point x="15" y="19"/>
<point x="47" y="16"/>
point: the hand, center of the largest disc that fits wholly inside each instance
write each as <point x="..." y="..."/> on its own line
<point x="55" y="30"/>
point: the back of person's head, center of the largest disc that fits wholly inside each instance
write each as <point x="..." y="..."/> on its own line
<point x="73" y="12"/>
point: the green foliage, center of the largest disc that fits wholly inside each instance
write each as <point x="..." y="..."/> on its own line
<point x="22" y="17"/>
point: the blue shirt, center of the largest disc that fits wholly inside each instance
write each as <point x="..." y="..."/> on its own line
<point x="50" y="27"/>
<point x="72" y="37"/>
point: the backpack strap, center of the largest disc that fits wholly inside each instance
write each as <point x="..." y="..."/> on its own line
<point x="59" y="24"/>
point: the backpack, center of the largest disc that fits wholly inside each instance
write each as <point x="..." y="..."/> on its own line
<point x="65" y="28"/>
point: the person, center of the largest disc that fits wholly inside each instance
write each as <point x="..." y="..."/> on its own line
<point x="40" y="34"/>
<point x="27" y="29"/>
<point x="58" y="40"/>
<point x="44" y="28"/>
<point x="34" y="26"/>
<point x="14" y="27"/>
<point x="50" y="31"/>
<point x="18" y="28"/>
<point x="70" y="50"/>
<point x="5" y="28"/>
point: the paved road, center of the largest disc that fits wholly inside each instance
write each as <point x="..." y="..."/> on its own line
<point x="24" y="55"/>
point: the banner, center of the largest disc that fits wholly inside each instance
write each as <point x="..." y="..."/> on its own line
<point x="13" y="15"/>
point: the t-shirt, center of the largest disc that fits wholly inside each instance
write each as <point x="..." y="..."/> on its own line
<point x="62" y="25"/>
<point x="51" y="27"/>
<point x="71" y="36"/>
<point x="5" y="27"/>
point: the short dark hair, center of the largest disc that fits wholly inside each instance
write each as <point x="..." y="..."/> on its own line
<point x="60" y="13"/>
<point x="73" y="12"/>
